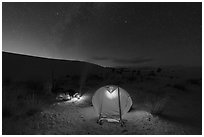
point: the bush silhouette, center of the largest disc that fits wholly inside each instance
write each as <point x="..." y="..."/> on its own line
<point x="159" y="70"/>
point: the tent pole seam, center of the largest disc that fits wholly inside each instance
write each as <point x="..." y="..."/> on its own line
<point x="119" y="105"/>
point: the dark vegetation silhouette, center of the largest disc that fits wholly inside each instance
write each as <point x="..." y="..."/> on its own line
<point x="180" y="87"/>
<point x="159" y="70"/>
<point x="197" y="82"/>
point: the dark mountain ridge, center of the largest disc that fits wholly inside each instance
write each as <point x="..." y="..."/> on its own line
<point x="25" y="67"/>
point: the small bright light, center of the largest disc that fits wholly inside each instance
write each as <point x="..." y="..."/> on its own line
<point x="110" y="89"/>
<point x="77" y="100"/>
<point x="112" y="94"/>
<point x="82" y="98"/>
<point x="78" y="96"/>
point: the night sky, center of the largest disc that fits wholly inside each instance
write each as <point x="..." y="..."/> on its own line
<point x="108" y="34"/>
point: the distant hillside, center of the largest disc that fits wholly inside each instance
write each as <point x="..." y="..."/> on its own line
<point x="24" y="67"/>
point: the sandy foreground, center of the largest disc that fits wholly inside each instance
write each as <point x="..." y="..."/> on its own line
<point x="79" y="117"/>
<point x="181" y="103"/>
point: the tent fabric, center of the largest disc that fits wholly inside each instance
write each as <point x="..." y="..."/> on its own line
<point x="106" y="101"/>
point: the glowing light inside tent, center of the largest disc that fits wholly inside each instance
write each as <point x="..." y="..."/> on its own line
<point x="110" y="89"/>
<point x="112" y="94"/>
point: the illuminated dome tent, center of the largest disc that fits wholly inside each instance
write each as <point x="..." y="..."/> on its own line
<point x="111" y="102"/>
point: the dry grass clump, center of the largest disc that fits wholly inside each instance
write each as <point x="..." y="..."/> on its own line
<point x="157" y="103"/>
<point x="23" y="98"/>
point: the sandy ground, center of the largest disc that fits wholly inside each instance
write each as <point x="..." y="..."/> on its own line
<point x="79" y="117"/>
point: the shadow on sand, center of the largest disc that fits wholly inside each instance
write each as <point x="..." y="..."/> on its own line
<point x="182" y="120"/>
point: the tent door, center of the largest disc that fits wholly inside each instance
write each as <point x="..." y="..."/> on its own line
<point x="101" y="118"/>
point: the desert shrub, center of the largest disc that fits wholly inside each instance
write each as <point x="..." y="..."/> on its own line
<point x="116" y="82"/>
<point x="141" y="79"/>
<point x="75" y="78"/>
<point x="34" y="85"/>
<point x="168" y="85"/>
<point x="152" y="73"/>
<point x="113" y="70"/>
<point x="6" y="82"/>
<point x="48" y="86"/>
<point x="121" y="71"/>
<point x="9" y="107"/>
<point x="158" y="106"/>
<point x="95" y="77"/>
<point x="6" y="112"/>
<point x="132" y="78"/>
<point x="171" y="77"/>
<point x="159" y="70"/>
<point x="56" y="87"/>
<point x="21" y="100"/>
<point x="180" y="87"/>
<point x="194" y="81"/>
<point x="149" y="78"/>
<point x="138" y="73"/>
<point x="68" y="76"/>
<point x="157" y="103"/>
<point x="33" y="110"/>
<point x="32" y="104"/>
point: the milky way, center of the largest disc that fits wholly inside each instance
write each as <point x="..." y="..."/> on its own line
<point x="108" y="34"/>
